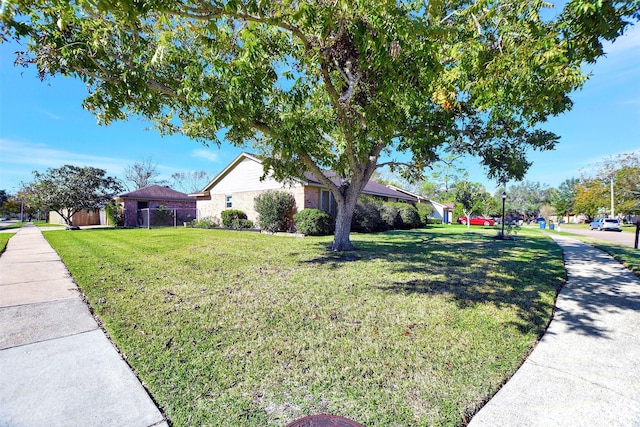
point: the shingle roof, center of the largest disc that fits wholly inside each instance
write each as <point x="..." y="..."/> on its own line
<point x="372" y="188"/>
<point x="156" y="192"/>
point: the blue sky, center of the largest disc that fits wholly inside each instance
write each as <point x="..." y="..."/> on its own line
<point x="43" y="125"/>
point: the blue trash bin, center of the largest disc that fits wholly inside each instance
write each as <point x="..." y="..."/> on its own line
<point x="543" y="224"/>
<point x="551" y="226"/>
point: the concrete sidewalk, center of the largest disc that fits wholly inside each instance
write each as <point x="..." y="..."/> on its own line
<point x="586" y="369"/>
<point x="57" y="367"/>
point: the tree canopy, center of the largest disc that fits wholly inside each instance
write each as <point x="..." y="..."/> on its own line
<point x="593" y="192"/>
<point x="70" y="189"/>
<point x="342" y="85"/>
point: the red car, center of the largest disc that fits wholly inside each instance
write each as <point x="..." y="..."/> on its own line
<point x="476" y="220"/>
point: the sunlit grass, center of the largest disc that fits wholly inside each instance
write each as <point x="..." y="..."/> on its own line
<point x="242" y="329"/>
<point x="4" y="238"/>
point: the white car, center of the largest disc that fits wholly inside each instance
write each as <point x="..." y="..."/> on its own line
<point x="601" y="224"/>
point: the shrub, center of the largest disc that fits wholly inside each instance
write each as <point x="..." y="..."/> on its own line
<point x="366" y="216"/>
<point x="115" y="214"/>
<point x="390" y="216"/>
<point x="425" y="210"/>
<point x="314" y="222"/>
<point x="229" y="215"/>
<point x="275" y="209"/>
<point x="240" y="223"/>
<point x="433" y="221"/>
<point x="208" y="222"/>
<point x="408" y="215"/>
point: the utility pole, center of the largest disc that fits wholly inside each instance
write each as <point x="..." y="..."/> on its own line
<point x="612" y="212"/>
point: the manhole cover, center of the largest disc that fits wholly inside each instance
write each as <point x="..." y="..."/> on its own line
<point x="324" y="421"/>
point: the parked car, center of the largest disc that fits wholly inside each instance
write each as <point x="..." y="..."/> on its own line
<point x="601" y="224"/>
<point x="476" y="220"/>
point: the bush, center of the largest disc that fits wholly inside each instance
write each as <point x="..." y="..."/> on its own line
<point x="433" y="221"/>
<point x="115" y="215"/>
<point x="390" y="216"/>
<point x="275" y="209"/>
<point x="314" y="222"/>
<point x="208" y="222"/>
<point x="425" y="210"/>
<point x="409" y="216"/>
<point x="229" y="215"/>
<point x="366" y="216"/>
<point x="240" y="223"/>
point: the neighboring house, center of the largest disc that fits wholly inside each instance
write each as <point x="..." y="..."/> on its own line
<point x="443" y="211"/>
<point x="239" y="183"/>
<point x="440" y="211"/>
<point x="140" y="205"/>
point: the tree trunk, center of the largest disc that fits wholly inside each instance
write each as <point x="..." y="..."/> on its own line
<point x="344" y="215"/>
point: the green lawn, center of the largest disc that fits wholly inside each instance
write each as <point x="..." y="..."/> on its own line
<point x="4" y="238"/>
<point x="243" y="329"/>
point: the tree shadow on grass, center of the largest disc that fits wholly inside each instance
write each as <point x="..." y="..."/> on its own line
<point x="468" y="268"/>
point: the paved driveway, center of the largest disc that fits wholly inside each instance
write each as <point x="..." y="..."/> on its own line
<point x="624" y="238"/>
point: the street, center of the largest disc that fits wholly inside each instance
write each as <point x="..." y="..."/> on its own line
<point x="624" y="238"/>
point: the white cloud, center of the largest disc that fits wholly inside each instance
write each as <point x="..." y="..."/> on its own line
<point x="209" y="155"/>
<point x="30" y="156"/>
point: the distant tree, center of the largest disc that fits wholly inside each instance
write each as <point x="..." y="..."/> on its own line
<point x="527" y="198"/>
<point x="564" y="197"/>
<point x="470" y="197"/>
<point x="70" y="189"/>
<point x="593" y="196"/>
<point x="143" y="174"/>
<point x="190" y="182"/>
<point x="4" y="196"/>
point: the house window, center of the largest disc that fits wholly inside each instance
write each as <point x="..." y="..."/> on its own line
<point x="327" y="202"/>
<point x="229" y="201"/>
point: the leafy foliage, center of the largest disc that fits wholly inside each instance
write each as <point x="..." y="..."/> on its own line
<point x="115" y="214"/>
<point x="593" y="193"/>
<point x="367" y="215"/>
<point x="563" y="198"/>
<point x="275" y="210"/>
<point x="208" y="222"/>
<point x="470" y="197"/>
<point x="313" y="222"/>
<point x="328" y="85"/>
<point x="231" y="215"/>
<point x="70" y="189"/>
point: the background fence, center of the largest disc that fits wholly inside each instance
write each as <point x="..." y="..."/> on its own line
<point x="161" y="217"/>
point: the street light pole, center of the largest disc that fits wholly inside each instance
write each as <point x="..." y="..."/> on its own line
<point x="504" y="197"/>
<point x="612" y="213"/>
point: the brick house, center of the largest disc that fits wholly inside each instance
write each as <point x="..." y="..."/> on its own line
<point x="140" y="205"/>
<point x="239" y="183"/>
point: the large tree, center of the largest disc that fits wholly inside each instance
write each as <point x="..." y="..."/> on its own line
<point x="329" y="85"/>
<point x="71" y="189"/>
